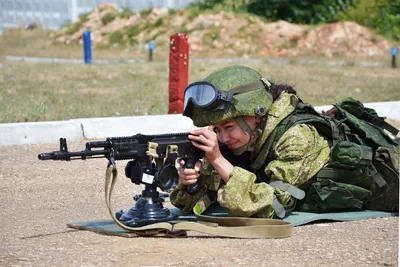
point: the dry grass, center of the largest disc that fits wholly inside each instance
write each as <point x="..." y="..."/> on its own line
<point x="42" y="92"/>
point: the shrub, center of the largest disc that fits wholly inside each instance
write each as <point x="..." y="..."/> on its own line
<point x="107" y="18"/>
<point x="145" y="12"/>
<point x="171" y="12"/>
<point x="159" y="22"/>
<point x="117" y="38"/>
<point x="132" y="30"/>
<point x="73" y="27"/>
<point x="126" y="13"/>
<point x="84" y="17"/>
<point x="193" y="13"/>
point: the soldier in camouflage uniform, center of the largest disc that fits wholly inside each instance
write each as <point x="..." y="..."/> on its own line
<point x="261" y="178"/>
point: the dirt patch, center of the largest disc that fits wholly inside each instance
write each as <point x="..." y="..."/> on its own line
<point x="343" y="38"/>
<point x="236" y="34"/>
<point x="39" y="198"/>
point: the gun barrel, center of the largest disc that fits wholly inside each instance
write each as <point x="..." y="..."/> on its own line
<point x="63" y="155"/>
<point x="47" y="156"/>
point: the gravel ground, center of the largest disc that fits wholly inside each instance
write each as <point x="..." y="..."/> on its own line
<point x="38" y="199"/>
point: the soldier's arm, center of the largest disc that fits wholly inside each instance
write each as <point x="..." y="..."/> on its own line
<point x="299" y="154"/>
<point x="181" y="199"/>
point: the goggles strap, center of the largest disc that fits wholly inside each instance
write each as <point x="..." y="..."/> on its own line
<point x="247" y="129"/>
<point x="225" y="96"/>
<point x="263" y="82"/>
<point x="268" y="82"/>
<point x="245" y="126"/>
<point x="240" y="150"/>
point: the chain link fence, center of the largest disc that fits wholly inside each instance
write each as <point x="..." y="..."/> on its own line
<point x="52" y="14"/>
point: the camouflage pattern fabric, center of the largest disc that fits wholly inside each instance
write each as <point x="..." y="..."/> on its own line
<point x="181" y="199"/>
<point x="280" y="109"/>
<point x="243" y="197"/>
<point x="298" y="155"/>
<point x="184" y="201"/>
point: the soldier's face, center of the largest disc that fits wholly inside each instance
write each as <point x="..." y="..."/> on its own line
<point x="232" y="135"/>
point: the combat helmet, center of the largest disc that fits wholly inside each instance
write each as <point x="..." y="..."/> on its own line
<point x="229" y="93"/>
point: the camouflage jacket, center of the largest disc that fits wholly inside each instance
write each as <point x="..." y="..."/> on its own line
<point x="298" y="155"/>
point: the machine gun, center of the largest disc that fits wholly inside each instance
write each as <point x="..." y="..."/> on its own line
<point x="152" y="163"/>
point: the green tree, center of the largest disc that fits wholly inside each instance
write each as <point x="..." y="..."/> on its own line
<point x="300" y="11"/>
<point x="387" y="20"/>
<point x="227" y="5"/>
<point x="381" y="15"/>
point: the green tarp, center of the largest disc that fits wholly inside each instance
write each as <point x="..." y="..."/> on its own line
<point x="296" y="218"/>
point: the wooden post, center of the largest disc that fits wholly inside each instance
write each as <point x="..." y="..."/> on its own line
<point x="178" y="71"/>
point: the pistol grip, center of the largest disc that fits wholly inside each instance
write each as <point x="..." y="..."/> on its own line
<point x="189" y="164"/>
<point x="193" y="188"/>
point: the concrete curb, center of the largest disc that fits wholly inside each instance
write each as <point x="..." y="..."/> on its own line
<point x="39" y="132"/>
<point x="125" y="126"/>
<point x="79" y="129"/>
<point x="100" y="128"/>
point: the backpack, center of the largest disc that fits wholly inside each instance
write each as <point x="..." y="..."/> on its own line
<point x="363" y="169"/>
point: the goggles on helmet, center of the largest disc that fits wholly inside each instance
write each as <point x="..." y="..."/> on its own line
<point x="204" y="95"/>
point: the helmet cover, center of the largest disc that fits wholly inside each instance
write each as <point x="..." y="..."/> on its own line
<point x="243" y="104"/>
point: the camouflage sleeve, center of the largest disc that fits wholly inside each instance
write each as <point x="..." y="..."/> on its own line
<point x="181" y="199"/>
<point x="243" y="197"/>
<point x="299" y="154"/>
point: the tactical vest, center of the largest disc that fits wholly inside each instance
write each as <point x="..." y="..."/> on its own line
<point x="362" y="172"/>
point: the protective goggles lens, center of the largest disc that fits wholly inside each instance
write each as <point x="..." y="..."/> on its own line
<point x="204" y="95"/>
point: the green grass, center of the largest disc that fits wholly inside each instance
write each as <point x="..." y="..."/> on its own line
<point x="43" y="92"/>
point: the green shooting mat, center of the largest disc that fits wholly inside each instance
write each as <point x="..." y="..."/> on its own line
<point x="298" y="218"/>
<point x="109" y="227"/>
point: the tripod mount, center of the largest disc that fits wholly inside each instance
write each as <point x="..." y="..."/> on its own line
<point x="148" y="208"/>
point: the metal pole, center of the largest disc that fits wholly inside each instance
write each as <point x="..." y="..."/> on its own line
<point x="73" y="10"/>
<point x="394" y="51"/>
<point x="87" y="47"/>
<point x="178" y="71"/>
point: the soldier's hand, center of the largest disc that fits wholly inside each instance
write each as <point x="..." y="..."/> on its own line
<point x="188" y="176"/>
<point x="206" y="139"/>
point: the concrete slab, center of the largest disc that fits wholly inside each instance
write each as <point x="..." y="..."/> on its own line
<point x="126" y="126"/>
<point x="39" y="132"/>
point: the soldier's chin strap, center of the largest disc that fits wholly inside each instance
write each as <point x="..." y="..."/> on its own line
<point x="259" y="111"/>
<point x="254" y="134"/>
